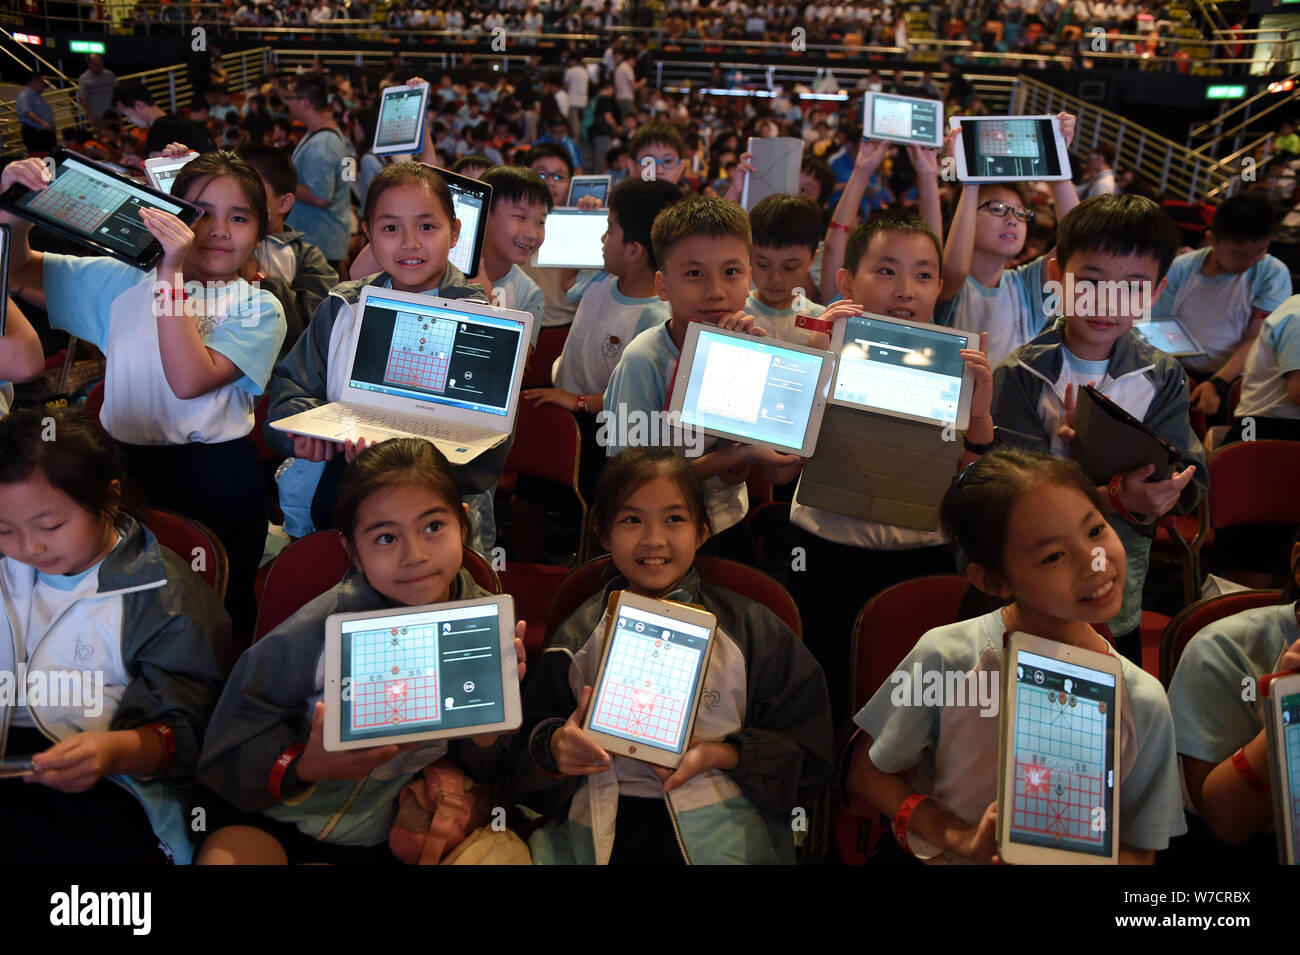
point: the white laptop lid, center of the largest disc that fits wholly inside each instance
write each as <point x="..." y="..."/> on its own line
<point x="460" y="362"/>
<point x="904" y="369"/>
<point x="574" y="239"/>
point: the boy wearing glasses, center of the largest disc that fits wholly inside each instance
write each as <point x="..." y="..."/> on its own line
<point x="662" y="145"/>
<point x="989" y="228"/>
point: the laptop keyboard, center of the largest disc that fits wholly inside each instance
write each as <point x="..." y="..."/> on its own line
<point x="899" y="389"/>
<point x="390" y="421"/>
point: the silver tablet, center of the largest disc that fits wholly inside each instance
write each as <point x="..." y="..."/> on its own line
<point x="902" y="119"/>
<point x="1011" y="149"/>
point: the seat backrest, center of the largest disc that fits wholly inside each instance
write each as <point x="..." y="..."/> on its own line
<point x="1196" y="617"/>
<point x="891" y="623"/>
<point x="194" y="544"/>
<point x="550" y="342"/>
<point x="95" y="401"/>
<point x="313" y="564"/>
<point x="747" y="581"/>
<point x="1253" y="482"/>
<point x="547" y="444"/>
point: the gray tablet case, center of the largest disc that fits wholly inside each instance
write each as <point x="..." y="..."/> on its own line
<point x="1109" y="440"/>
<point x="776" y="163"/>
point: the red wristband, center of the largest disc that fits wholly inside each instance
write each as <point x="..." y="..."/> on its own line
<point x="281" y="767"/>
<point x="168" y="738"/>
<point x="582" y="402"/>
<point x="1115" y="501"/>
<point x="840" y="227"/>
<point x="813" y="324"/>
<point x="902" y="818"/>
<point x="1242" y="765"/>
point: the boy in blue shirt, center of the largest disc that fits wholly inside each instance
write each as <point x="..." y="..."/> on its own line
<point x="1107" y="239"/>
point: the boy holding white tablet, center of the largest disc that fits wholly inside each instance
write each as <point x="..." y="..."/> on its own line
<point x="516" y="228"/>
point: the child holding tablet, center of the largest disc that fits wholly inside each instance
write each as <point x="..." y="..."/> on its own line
<point x="1032" y="531"/>
<point x="1220" y="734"/>
<point x="88" y="590"/>
<point x="989" y="228"/>
<point x="516" y="227"/>
<point x="403" y="526"/>
<point x="190" y="348"/>
<point x="412" y="226"/>
<point x="787" y="233"/>
<point x="1124" y="242"/>
<point x="762" y="740"/>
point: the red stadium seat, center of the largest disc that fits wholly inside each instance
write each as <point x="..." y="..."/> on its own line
<point x="550" y="342"/>
<point x="95" y="401"/>
<point x="193" y="543"/>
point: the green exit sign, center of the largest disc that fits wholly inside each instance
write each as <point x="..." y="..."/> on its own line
<point x="1225" y="91"/>
<point x="86" y="46"/>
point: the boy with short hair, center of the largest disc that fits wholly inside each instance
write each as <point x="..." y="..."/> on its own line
<point x="555" y="167"/>
<point x="662" y="144"/>
<point x="787" y="232"/>
<point x="1223" y="293"/>
<point x="1107" y="239"/>
<point x="516" y="228"/>
<point x="702" y="247"/>
<point x="293" y="270"/>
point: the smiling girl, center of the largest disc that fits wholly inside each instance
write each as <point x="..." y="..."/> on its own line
<point x="190" y="347"/>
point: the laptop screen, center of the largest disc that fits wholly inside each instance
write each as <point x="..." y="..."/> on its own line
<point x="901" y="370"/>
<point x="751" y="388"/>
<point x="437" y="354"/>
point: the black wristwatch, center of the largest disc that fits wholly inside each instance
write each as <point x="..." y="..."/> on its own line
<point x="1221" y="386"/>
<point x="979" y="448"/>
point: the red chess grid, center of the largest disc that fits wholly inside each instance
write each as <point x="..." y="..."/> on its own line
<point x="393" y="702"/>
<point x="994" y="139"/>
<point x="1038" y="808"/>
<point x="640" y="713"/>
<point x="412" y="368"/>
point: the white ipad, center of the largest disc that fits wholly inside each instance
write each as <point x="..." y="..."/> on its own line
<point x="649" y="681"/>
<point x="1011" y="149"/>
<point x="909" y="370"/>
<point x="400" y="128"/>
<point x="777" y="161"/>
<point x="1058" y="754"/>
<point x="753" y="390"/>
<point x="1169" y="335"/>
<point x="410" y="674"/>
<point x="574" y="239"/>
<point x="597" y="186"/>
<point x="161" y="172"/>
<point x="902" y="119"/>
<point x="1281" y="693"/>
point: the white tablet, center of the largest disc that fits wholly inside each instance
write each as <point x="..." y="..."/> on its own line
<point x="777" y="162"/>
<point x="1169" y="335"/>
<point x="597" y="186"/>
<point x="650" y="678"/>
<point x="1011" y="149"/>
<point x="409" y="674"/>
<point x="574" y="239"/>
<point x="161" y="172"/>
<point x="902" y="119"/>
<point x="1281" y="692"/>
<point x="400" y="128"/>
<point x="760" y="391"/>
<point x="910" y="370"/>
<point x="1058" y="754"/>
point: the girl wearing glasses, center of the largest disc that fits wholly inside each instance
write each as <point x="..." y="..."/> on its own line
<point x="980" y="293"/>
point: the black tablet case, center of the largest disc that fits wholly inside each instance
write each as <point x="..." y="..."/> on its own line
<point x="1109" y="440"/>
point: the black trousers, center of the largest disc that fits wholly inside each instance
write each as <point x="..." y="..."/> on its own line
<point x="221" y="486"/>
<point x="38" y="140"/>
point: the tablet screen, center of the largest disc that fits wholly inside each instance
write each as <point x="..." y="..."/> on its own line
<point x="468" y="204"/>
<point x="582" y="186"/>
<point x="1290" y="705"/>
<point x="1023" y="148"/>
<point x="574" y="239"/>
<point x="432" y="670"/>
<point x="400" y="115"/>
<point x="902" y="118"/>
<point x="163" y="175"/>
<point x="1168" y="336"/>
<point x="751" y="388"/>
<point x="1063" y="785"/>
<point x="648" y="687"/>
<point x="89" y="202"/>
<point x="913" y="372"/>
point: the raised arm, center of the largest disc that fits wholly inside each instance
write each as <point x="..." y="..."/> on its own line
<point x="870" y="155"/>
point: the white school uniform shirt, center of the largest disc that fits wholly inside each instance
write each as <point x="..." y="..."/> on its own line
<point x="112" y="306"/>
<point x="1217" y="310"/>
<point x="1276" y="354"/>
<point x="605" y="323"/>
<point x="1011" y="312"/>
<point x="523" y="294"/>
<point x="779" y="322"/>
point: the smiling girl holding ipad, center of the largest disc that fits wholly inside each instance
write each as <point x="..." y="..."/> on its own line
<point x="190" y="347"/>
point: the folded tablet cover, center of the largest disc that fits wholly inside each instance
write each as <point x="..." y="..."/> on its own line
<point x="776" y="164"/>
<point x="1110" y="441"/>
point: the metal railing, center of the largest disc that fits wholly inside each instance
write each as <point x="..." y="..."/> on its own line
<point x="1217" y="135"/>
<point x="1171" y="168"/>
